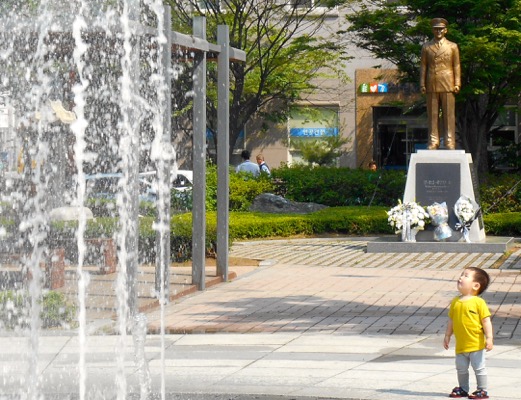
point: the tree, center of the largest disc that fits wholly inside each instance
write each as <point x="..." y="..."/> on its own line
<point x="323" y="152"/>
<point x="284" y="54"/>
<point x="489" y="37"/>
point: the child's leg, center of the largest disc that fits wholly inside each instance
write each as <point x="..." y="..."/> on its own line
<point x="477" y="360"/>
<point x="462" y="367"/>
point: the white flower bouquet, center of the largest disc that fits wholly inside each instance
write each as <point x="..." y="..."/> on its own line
<point x="407" y="216"/>
<point x="439" y="214"/>
<point x="467" y="211"/>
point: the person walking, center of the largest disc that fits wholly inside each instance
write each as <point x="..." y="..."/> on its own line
<point x="264" y="169"/>
<point x="469" y="320"/>
<point x="440" y="79"/>
<point x="247" y="165"/>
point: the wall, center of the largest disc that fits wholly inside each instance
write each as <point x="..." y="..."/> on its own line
<point x="365" y="103"/>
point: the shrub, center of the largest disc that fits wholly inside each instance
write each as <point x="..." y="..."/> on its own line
<point x="181" y="201"/>
<point x="337" y="187"/>
<point x="14" y="309"/>
<point x="55" y="311"/>
<point x="243" y="191"/>
<point x="503" y="224"/>
<point x="342" y="220"/>
<point x="501" y="193"/>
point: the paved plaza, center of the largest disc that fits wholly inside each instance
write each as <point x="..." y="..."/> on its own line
<point x="318" y="319"/>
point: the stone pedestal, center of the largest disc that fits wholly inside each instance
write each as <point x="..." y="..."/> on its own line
<point x="437" y="176"/>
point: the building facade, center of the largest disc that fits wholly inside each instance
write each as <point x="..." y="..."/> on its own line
<point x="382" y="119"/>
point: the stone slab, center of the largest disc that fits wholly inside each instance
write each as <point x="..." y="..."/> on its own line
<point x="392" y="244"/>
<point x="437" y="176"/>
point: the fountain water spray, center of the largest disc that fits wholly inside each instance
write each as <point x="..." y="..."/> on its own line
<point x="77" y="61"/>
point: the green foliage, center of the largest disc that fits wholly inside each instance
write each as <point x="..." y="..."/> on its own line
<point x="15" y="308"/>
<point x="243" y="191"/>
<point x="501" y="194"/>
<point x="56" y="311"/>
<point x="503" y="224"/>
<point x="103" y="227"/>
<point x="182" y="201"/>
<point x="181" y="235"/>
<point x="508" y="155"/>
<point x="340" y="186"/>
<point x="211" y="187"/>
<point x="323" y="152"/>
<point x="341" y="220"/>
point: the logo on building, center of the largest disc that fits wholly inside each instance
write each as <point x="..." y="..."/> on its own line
<point x="374" y="87"/>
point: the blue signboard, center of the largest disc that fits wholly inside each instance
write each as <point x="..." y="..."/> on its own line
<point x="313" y="132"/>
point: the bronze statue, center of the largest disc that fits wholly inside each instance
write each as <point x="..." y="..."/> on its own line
<point x="440" y="80"/>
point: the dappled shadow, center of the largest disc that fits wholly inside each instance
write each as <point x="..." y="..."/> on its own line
<point x="315" y="314"/>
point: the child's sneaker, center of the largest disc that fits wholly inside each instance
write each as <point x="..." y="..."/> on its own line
<point x="458" y="392"/>
<point x="479" y="394"/>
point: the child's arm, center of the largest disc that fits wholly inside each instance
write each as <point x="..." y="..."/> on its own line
<point x="489" y="335"/>
<point x="448" y="334"/>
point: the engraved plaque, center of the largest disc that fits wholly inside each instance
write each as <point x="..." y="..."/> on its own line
<point x="438" y="183"/>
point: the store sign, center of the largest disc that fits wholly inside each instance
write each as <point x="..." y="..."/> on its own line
<point x="375" y="87"/>
<point x="313" y="132"/>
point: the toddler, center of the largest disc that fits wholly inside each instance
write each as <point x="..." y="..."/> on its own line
<point x="469" y="320"/>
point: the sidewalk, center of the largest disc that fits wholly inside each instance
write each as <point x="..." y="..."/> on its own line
<point x="260" y="366"/>
<point x="332" y="286"/>
<point x="319" y="319"/>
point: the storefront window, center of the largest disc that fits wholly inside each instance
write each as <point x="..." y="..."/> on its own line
<point x="311" y="123"/>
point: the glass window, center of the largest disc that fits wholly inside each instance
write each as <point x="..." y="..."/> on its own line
<point x="307" y="4"/>
<point x="506" y="118"/>
<point x="313" y="122"/>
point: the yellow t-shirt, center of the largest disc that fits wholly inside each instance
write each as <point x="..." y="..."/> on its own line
<point x="467" y="316"/>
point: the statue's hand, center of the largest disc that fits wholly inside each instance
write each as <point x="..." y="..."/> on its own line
<point x="456" y="89"/>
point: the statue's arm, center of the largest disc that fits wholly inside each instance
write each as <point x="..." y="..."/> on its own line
<point x="457" y="69"/>
<point x="423" y="70"/>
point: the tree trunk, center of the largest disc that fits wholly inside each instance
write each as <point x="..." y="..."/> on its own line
<point x="473" y="128"/>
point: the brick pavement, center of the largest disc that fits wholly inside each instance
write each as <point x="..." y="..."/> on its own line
<point x="333" y="286"/>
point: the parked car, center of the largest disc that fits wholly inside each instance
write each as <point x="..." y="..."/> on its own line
<point x="180" y="184"/>
<point x="180" y="180"/>
<point x="106" y="186"/>
<point x="183" y="180"/>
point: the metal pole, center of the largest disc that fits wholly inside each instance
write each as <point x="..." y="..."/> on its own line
<point x="223" y="155"/>
<point x="199" y="160"/>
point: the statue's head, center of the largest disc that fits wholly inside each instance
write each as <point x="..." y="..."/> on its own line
<point x="439" y="27"/>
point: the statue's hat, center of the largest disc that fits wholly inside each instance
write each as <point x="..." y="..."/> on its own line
<point x="439" y="23"/>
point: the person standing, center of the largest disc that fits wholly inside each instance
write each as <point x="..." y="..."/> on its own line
<point x="440" y="79"/>
<point x="469" y="320"/>
<point x="264" y="169"/>
<point x="247" y="165"/>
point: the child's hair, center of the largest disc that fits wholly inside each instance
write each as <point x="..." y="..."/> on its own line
<point x="481" y="277"/>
